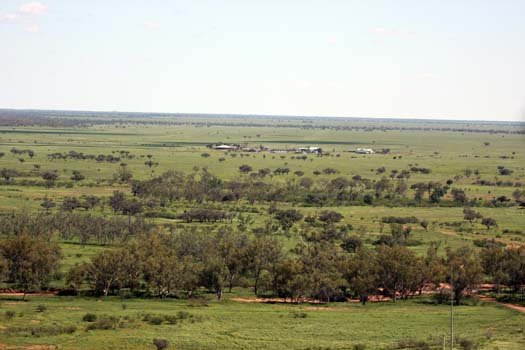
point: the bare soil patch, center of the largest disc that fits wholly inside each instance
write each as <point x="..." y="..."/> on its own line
<point x="18" y="293"/>
<point x="277" y="300"/>
<point x="372" y="298"/>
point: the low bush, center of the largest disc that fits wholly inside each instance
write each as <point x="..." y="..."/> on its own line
<point x="105" y="323"/>
<point x="413" y="344"/>
<point x="198" y="302"/>
<point x="466" y="344"/>
<point x="171" y="319"/>
<point x="41" y="331"/>
<point x="182" y="315"/>
<point x="89" y="317"/>
<point x="299" y="314"/>
<point x="161" y="344"/>
<point x="156" y="320"/>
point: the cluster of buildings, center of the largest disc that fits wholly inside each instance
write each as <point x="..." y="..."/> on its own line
<point x="236" y="147"/>
<point x="300" y="150"/>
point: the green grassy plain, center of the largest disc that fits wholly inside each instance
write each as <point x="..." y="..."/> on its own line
<point x="234" y="325"/>
<point x="237" y="325"/>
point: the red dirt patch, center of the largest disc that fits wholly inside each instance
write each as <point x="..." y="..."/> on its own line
<point x="372" y="298"/>
<point x="276" y="300"/>
<point x="16" y="293"/>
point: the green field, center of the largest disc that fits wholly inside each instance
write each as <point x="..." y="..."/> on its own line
<point x="235" y="325"/>
<point x="230" y="324"/>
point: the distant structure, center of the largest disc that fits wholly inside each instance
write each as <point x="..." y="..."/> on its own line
<point x="279" y="151"/>
<point x="250" y="149"/>
<point x="364" y="151"/>
<point x="261" y="148"/>
<point x="224" y="147"/>
<point x="309" y="149"/>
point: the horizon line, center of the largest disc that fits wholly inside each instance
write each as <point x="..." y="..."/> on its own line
<point x="166" y="114"/>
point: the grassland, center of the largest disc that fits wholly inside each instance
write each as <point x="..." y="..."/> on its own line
<point x="237" y="325"/>
<point x="231" y="324"/>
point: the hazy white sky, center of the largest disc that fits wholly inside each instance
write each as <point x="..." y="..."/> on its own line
<point x="455" y="59"/>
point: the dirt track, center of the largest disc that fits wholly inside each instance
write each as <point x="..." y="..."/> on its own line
<point x="518" y="308"/>
<point x="311" y="302"/>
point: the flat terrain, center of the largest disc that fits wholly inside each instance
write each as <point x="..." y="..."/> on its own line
<point x="462" y="156"/>
<point x="234" y="325"/>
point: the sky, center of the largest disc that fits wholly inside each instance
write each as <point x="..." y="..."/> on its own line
<point x="442" y="59"/>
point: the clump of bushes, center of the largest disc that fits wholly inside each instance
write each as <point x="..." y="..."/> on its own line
<point x="156" y="320"/>
<point x="171" y="319"/>
<point x="467" y="344"/>
<point x="111" y="322"/>
<point x="299" y="314"/>
<point x="41" y="331"/>
<point x="400" y="220"/>
<point x="52" y="330"/>
<point x="183" y="315"/>
<point x="161" y="344"/>
<point x="89" y="317"/>
<point x="413" y="344"/>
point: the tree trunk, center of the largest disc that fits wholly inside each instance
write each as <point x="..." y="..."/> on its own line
<point x="230" y="286"/>
<point x="395" y="293"/>
<point x="256" y="281"/>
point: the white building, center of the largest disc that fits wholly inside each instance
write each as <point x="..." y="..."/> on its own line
<point x="309" y="149"/>
<point x="224" y="147"/>
<point x="364" y="151"/>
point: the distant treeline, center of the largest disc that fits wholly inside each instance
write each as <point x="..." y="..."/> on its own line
<point x="202" y="187"/>
<point x="85" y="119"/>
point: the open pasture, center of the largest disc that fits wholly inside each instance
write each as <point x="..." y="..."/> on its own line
<point x="461" y="156"/>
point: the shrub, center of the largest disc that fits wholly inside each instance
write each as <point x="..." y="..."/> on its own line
<point x="299" y="314"/>
<point x="171" y="319"/>
<point x="359" y="347"/>
<point x="161" y="344"/>
<point x="9" y="314"/>
<point x="466" y="344"/>
<point x="182" y="315"/>
<point x="41" y="308"/>
<point x="104" y="323"/>
<point x="89" y="317"/>
<point x="197" y="302"/>
<point x="441" y="298"/>
<point x="413" y="344"/>
<point x="52" y="330"/>
<point x="156" y="320"/>
<point x="400" y="220"/>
